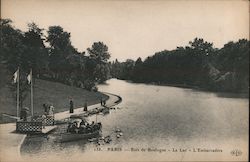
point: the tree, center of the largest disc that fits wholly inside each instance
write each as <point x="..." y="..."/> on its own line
<point x="138" y="70"/>
<point x="35" y="52"/>
<point x="128" y="67"/>
<point x="200" y="51"/>
<point x="77" y="66"/>
<point x="233" y="59"/>
<point x="101" y="73"/>
<point x="99" y="52"/>
<point x="60" y="49"/>
<point x="58" y="38"/>
<point x="97" y="63"/>
<point x="12" y="46"/>
<point x="12" y="53"/>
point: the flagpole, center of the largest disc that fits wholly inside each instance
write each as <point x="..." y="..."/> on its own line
<point x="17" y="98"/>
<point x="31" y="93"/>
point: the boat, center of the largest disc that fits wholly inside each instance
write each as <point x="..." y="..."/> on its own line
<point x="67" y="137"/>
<point x="80" y="131"/>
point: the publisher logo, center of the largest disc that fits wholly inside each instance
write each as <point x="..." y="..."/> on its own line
<point x="236" y="152"/>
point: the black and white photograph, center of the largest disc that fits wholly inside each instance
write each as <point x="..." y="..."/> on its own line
<point x="124" y="80"/>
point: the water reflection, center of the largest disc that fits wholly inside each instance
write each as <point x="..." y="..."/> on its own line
<point x="233" y="95"/>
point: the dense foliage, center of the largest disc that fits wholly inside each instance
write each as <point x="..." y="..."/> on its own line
<point x="51" y="56"/>
<point x="198" y="64"/>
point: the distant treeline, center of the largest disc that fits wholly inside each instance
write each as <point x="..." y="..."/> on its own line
<point x="198" y="65"/>
<point x="51" y="56"/>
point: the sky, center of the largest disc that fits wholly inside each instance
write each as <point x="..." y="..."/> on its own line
<point x="135" y="28"/>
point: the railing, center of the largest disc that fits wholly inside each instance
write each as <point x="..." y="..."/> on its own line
<point x="28" y="126"/>
<point x="49" y="120"/>
<point x="35" y="125"/>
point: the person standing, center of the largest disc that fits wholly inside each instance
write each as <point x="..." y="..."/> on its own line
<point x="71" y="106"/>
<point x="85" y="106"/>
<point x="45" y="106"/>
<point x="25" y="113"/>
<point x="51" y="110"/>
<point x="101" y="101"/>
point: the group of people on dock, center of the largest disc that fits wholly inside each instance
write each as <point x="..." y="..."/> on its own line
<point x="103" y="102"/>
<point x="48" y="109"/>
<point x="85" y="108"/>
<point x="84" y="127"/>
<point x="71" y="106"/>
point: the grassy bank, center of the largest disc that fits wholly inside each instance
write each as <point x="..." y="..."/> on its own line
<point x="53" y="93"/>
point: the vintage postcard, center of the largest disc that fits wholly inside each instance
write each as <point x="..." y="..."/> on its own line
<point x="124" y="80"/>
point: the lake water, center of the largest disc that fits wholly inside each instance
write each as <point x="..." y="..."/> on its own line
<point x="158" y="121"/>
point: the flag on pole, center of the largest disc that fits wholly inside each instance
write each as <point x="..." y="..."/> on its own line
<point x="15" y="76"/>
<point x="16" y="80"/>
<point x="29" y="77"/>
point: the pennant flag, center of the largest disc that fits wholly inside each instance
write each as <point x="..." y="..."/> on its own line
<point x="29" y="77"/>
<point x="15" y="76"/>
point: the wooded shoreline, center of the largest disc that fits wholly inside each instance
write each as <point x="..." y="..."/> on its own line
<point x="229" y="94"/>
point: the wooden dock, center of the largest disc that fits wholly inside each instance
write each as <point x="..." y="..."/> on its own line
<point x="10" y="142"/>
<point x="48" y="129"/>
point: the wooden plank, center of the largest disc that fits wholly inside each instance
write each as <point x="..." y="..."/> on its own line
<point x="47" y="129"/>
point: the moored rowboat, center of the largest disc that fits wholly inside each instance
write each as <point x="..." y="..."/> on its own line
<point x="80" y="130"/>
<point x="67" y="137"/>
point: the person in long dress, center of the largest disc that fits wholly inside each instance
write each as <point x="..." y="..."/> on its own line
<point x="85" y="106"/>
<point x="101" y="101"/>
<point x="71" y="106"/>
